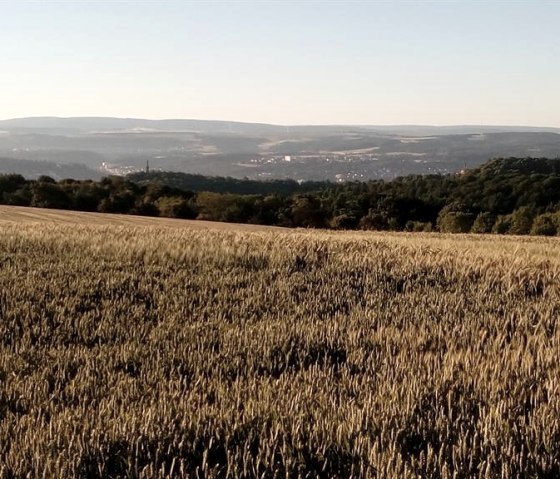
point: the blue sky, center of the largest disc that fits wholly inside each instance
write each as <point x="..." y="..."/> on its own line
<point x="455" y="62"/>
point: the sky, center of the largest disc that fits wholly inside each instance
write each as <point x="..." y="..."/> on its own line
<point x="304" y="62"/>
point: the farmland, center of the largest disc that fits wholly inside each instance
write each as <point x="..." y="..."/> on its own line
<point x="155" y="348"/>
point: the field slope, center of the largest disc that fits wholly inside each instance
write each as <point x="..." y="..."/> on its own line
<point x="129" y="348"/>
<point x="22" y="215"/>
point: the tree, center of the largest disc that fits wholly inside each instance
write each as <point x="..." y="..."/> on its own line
<point x="306" y="212"/>
<point x="343" y="221"/>
<point x="269" y="210"/>
<point x="455" y="218"/>
<point x="117" y="202"/>
<point x="227" y="207"/>
<point x="521" y="221"/>
<point x="418" y="226"/>
<point x="502" y="224"/>
<point x="15" y="190"/>
<point x="87" y="196"/>
<point x="49" y="195"/>
<point x="11" y="182"/>
<point x="45" y="179"/>
<point x="483" y="223"/>
<point x="376" y="220"/>
<point x="175" y="207"/>
<point x="544" y="225"/>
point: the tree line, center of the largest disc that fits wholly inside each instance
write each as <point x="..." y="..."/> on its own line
<point x="219" y="184"/>
<point x="504" y="196"/>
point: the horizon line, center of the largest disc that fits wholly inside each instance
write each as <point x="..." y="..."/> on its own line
<point x="401" y="125"/>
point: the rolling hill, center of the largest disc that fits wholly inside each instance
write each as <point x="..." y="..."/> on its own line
<point x="262" y="151"/>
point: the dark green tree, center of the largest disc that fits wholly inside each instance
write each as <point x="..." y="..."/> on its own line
<point x="175" y="207"/>
<point x="502" y="224"/>
<point x="521" y="221"/>
<point x="483" y="223"/>
<point x="544" y="225"/>
<point x="455" y="218"/>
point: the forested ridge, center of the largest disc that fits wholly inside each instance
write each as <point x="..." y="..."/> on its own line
<point x="220" y="184"/>
<point x="505" y="195"/>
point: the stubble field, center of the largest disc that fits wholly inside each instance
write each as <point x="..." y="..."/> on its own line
<point x="156" y="350"/>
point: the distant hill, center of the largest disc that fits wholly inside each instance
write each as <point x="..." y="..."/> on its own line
<point x="262" y="152"/>
<point x="93" y="124"/>
<point x="220" y="126"/>
<point x="33" y="169"/>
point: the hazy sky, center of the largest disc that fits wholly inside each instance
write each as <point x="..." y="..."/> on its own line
<point x="323" y="62"/>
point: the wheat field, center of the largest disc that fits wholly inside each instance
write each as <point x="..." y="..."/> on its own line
<point x="141" y="348"/>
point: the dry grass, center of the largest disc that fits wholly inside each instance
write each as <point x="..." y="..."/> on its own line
<point x="24" y="215"/>
<point x="151" y="352"/>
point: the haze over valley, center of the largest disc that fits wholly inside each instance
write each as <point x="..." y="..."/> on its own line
<point x="91" y="147"/>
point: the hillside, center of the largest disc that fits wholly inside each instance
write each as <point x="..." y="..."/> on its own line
<point x="34" y="168"/>
<point x="260" y="151"/>
<point x="26" y="216"/>
<point x="217" y="184"/>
